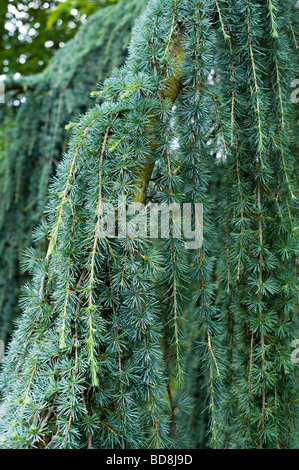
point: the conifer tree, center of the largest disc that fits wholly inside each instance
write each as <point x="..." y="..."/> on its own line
<point x="200" y="113"/>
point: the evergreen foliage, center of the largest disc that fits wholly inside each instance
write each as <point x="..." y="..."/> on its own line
<point x="35" y="136"/>
<point x="121" y="337"/>
<point x="259" y="232"/>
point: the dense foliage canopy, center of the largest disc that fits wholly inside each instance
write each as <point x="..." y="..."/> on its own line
<point x="130" y="342"/>
<point x="34" y="137"/>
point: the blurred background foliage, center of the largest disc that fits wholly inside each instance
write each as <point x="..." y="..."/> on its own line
<point x="36" y="29"/>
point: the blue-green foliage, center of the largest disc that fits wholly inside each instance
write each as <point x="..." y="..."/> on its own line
<point x="35" y="135"/>
<point x="259" y="242"/>
<point x="115" y="331"/>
